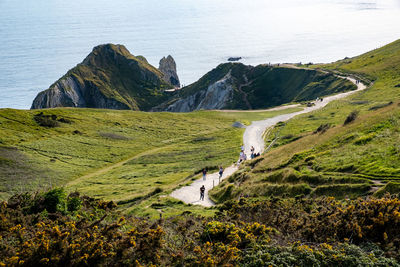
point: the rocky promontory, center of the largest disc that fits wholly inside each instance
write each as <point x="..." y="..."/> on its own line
<point x="109" y="77"/>
<point x="168" y="67"/>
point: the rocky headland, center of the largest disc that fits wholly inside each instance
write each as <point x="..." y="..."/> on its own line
<point x="110" y="77"/>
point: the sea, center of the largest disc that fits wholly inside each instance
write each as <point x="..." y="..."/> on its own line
<point x="40" y="40"/>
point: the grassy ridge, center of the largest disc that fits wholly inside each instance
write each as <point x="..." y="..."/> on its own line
<point x="343" y="160"/>
<point x="264" y="86"/>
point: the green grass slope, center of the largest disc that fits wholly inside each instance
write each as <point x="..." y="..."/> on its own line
<point x="134" y="158"/>
<point x="350" y="160"/>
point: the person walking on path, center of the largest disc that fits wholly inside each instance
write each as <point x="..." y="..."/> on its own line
<point x="221" y="171"/>
<point x="204" y="174"/>
<point x="202" y="190"/>
<point x="252" y="152"/>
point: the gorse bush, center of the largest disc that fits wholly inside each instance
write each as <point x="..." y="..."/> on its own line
<point x="54" y="200"/>
<point x="276" y="232"/>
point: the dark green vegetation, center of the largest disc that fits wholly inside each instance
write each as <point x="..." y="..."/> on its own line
<point x="109" y="77"/>
<point x="266" y="86"/>
<point x="53" y="229"/>
<point x="356" y="154"/>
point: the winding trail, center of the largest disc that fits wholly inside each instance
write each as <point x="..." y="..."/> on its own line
<point x="253" y="136"/>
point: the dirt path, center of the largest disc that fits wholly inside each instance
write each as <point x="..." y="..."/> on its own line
<point x="111" y="167"/>
<point x="259" y="110"/>
<point x="253" y="136"/>
<point x="191" y="194"/>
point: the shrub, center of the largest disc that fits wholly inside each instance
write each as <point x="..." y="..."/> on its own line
<point x="46" y="120"/>
<point x="74" y="203"/>
<point x="323" y="128"/>
<point x="351" y="117"/>
<point x="54" y="200"/>
<point x="50" y="121"/>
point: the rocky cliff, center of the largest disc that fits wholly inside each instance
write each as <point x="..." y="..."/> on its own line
<point x="109" y="77"/>
<point x="237" y="86"/>
<point x="216" y="96"/>
<point x="168" y="68"/>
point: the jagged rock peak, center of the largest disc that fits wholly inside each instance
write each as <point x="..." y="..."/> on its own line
<point x="168" y="67"/>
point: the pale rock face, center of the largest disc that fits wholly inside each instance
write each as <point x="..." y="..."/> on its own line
<point x="216" y="96"/>
<point x="168" y="68"/>
<point x="68" y="93"/>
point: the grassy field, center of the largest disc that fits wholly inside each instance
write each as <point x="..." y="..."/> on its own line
<point x="134" y="158"/>
<point x="340" y="160"/>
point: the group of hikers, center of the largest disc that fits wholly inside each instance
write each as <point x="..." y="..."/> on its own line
<point x="357" y="81"/>
<point x="242" y="157"/>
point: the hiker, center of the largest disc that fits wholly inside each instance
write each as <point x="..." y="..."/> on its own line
<point x="242" y="147"/>
<point x="221" y="171"/>
<point x="240" y="158"/>
<point x="322" y="99"/>
<point x="252" y="152"/>
<point x="202" y="190"/>
<point x="204" y="174"/>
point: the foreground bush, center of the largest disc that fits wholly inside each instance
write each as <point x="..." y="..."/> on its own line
<point x="52" y="229"/>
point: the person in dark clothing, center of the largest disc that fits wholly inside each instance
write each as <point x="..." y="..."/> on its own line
<point x="202" y="190"/>
<point x="221" y="171"/>
<point x="204" y="174"/>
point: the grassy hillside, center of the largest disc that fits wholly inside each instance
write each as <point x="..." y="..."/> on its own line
<point x="274" y="86"/>
<point x="355" y="159"/>
<point x="125" y="156"/>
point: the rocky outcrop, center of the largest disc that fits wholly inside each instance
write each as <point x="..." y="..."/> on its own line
<point x="69" y="93"/>
<point x="216" y="96"/>
<point x="109" y="77"/>
<point x="168" y="68"/>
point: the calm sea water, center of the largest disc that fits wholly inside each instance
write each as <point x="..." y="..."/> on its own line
<point x="41" y="39"/>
